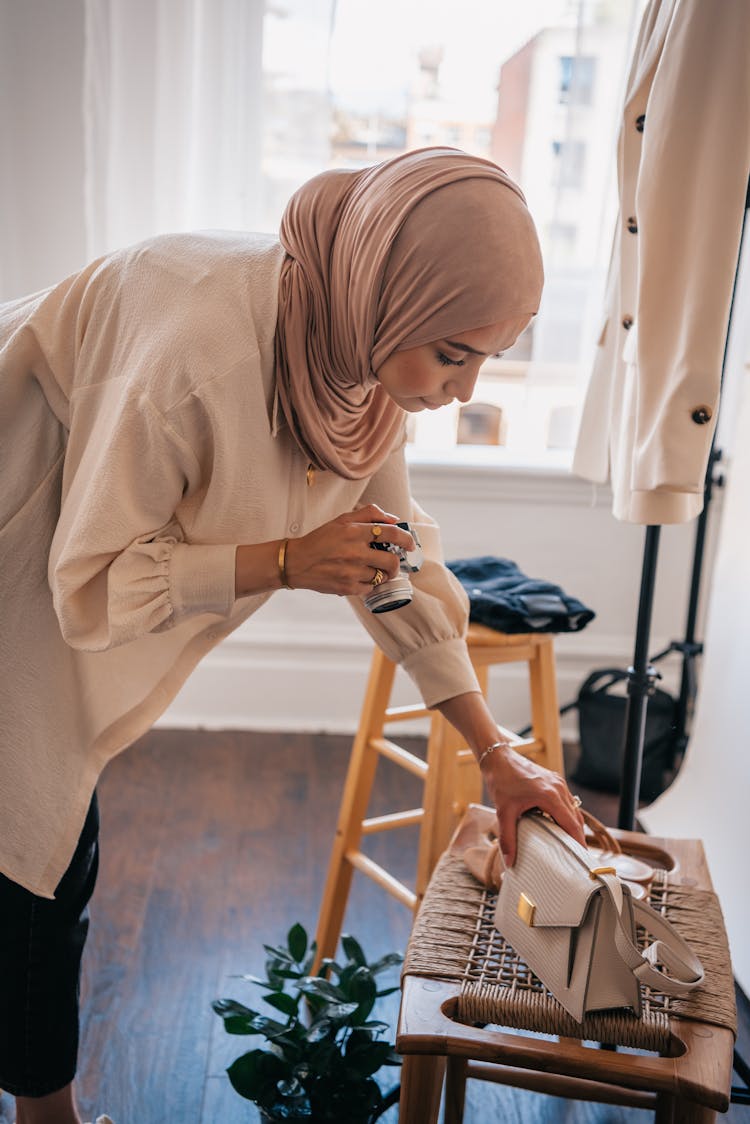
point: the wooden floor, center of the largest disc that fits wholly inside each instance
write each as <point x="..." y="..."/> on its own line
<point x="211" y="844"/>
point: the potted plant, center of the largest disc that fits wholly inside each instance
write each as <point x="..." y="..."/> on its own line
<point x="319" y="1059"/>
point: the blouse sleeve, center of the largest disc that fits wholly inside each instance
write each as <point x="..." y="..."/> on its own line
<point x="427" y="637"/>
<point x="119" y="565"/>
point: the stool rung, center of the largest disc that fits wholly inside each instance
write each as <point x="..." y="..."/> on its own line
<point x="396" y="713"/>
<point x="400" y="756"/>
<point x="529" y="746"/>
<point x="382" y="877"/>
<point x="558" y="1085"/>
<point x="393" y="819"/>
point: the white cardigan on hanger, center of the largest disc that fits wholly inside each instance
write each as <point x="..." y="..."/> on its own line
<point x="683" y="160"/>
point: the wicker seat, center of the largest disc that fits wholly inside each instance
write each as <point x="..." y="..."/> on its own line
<point x="462" y="984"/>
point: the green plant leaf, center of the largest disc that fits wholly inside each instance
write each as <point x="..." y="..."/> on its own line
<point x="353" y="949"/>
<point x="283" y="1002"/>
<point x="232" y="1007"/>
<point x="297" y="942"/>
<point x="255" y="1076"/>
<point x="339" y="1011"/>
<point x="362" y="990"/>
<point x="389" y="961"/>
<point x="367" y="1057"/>
<point x="270" y="1027"/>
<point x="278" y="952"/>
<point x="319" y="1030"/>
<point x="237" y="1018"/>
<point x="289" y="974"/>
<point x="322" y="989"/>
<point x="386" y="991"/>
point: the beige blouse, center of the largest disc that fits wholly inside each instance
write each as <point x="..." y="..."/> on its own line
<point x="138" y="447"/>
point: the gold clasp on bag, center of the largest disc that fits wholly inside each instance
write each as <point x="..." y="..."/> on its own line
<point x="598" y="870"/>
<point x="526" y="910"/>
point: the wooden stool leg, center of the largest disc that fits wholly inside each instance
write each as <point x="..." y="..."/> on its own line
<point x="545" y="716"/>
<point x="421" y="1085"/>
<point x="437" y="801"/>
<point x="357" y="788"/>
<point x="455" y="1090"/>
<point x="677" y="1110"/>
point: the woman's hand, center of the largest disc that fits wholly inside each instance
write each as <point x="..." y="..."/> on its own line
<point x="338" y="557"/>
<point x="515" y="785"/>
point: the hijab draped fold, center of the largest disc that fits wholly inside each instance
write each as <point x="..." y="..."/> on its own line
<point x="429" y="243"/>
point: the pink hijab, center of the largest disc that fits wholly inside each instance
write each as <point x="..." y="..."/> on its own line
<point x="427" y="244"/>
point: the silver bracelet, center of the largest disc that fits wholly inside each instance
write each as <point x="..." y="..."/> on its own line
<point x="490" y="749"/>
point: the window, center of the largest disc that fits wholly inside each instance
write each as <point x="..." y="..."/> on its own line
<point x="576" y="80"/>
<point x="536" y="88"/>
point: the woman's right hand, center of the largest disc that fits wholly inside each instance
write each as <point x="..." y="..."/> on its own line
<point x="338" y="556"/>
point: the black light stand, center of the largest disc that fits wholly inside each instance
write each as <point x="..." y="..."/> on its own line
<point x="642" y="675"/>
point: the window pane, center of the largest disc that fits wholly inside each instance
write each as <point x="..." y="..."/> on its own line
<point x="537" y="88"/>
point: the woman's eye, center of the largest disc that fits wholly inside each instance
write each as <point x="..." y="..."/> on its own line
<point x="444" y="361"/>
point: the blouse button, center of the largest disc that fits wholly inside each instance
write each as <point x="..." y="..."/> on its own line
<point x="632" y="225"/>
<point x="627" y="322"/>
<point x="640" y="121"/>
<point x="701" y="415"/>
<point x="294" y="527"/>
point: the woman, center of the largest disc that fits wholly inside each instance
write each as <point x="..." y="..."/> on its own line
<point x="192" y="424"/>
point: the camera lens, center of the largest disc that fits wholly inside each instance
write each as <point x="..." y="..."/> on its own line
<point x="393" y="594"/>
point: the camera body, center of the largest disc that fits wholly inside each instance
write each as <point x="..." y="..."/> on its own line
<point x="397" y="592"/>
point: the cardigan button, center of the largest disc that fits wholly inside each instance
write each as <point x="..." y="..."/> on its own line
<point x="701" y="415"/>
<point x="640" y="121"/>
<point x="627" y="322"/>
<point x="632" y="225"/>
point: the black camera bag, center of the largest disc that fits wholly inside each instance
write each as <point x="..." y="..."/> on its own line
<point x="601" y="722"/>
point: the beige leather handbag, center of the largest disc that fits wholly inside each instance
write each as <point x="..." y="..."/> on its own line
<point x="573" y="922"/>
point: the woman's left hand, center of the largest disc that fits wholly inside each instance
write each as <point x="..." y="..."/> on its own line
<point x="515" y="785"/>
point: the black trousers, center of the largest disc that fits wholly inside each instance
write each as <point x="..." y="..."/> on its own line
<point x="41" y="944"/>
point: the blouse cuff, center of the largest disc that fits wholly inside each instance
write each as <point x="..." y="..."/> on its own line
<point x="202" y="579"/>
<point x="442" y="671"/>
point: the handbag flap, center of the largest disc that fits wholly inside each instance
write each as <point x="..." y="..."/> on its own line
<point x="554" y="874"/>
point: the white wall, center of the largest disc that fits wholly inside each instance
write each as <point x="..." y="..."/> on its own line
<point x="41" y="126"/>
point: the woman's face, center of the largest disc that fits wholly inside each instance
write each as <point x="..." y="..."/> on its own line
<point x="434" y="374"/>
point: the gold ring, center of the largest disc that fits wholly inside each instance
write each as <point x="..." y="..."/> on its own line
<point x="377" y="532"/>
<point x="379" y="576"/>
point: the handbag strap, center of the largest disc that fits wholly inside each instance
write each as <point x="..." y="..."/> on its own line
<point x="682" y="970"/>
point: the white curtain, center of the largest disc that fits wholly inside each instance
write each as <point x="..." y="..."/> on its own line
<point x="172" y="111"/>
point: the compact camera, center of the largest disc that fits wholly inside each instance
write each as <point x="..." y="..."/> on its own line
<point x="396" y="593"/>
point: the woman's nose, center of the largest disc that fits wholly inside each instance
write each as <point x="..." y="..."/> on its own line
<point x="462" y="386"/>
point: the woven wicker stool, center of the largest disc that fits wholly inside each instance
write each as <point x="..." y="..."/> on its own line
<point x="451" y="778"/>
<point x="461" y="978"/>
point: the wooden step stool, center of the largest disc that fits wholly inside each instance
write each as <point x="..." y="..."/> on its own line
<point x="467" y="1019"/>
<point x="451" y="778"/>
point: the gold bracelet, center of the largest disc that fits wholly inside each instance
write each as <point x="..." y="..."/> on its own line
<point x="282" y="565"/>
<point x="490" y="749"/>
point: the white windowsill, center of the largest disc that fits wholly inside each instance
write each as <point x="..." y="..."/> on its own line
<point x="482" y="473"/>
<point x="492" y="458"/>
